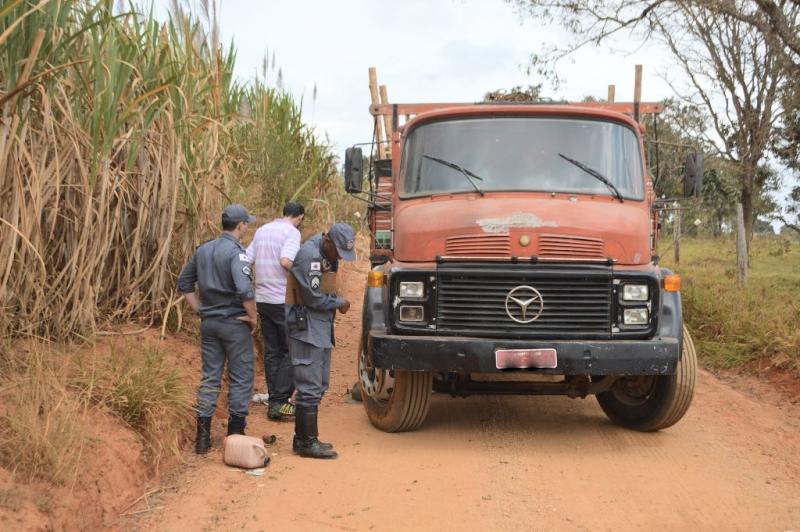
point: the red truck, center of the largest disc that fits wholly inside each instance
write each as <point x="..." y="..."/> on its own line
<point x="513" y="252"/>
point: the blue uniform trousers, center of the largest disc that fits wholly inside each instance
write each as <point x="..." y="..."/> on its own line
<point x="312" y="371"/>
<point x="225" y="339"/>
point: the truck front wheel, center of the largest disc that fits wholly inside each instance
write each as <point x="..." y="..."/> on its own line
<point x="648" y="403"/>
<point x="395" y="400"/>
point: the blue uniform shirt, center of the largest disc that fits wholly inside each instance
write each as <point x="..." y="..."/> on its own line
<point x="221" y="270"/>
<point x="320" y="308"/>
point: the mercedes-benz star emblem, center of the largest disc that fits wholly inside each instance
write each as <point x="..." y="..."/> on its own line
<point x="528" y="300"/>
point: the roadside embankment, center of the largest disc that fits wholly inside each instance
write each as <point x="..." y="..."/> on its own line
<point x="752" y="327"/>
<point x="83" y="431"/>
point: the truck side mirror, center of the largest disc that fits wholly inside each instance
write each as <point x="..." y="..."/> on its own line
<point x="693" y="175"/>
<point x="353" y="170"/>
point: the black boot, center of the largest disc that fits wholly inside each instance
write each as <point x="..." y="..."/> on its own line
<point x="296" y="440"/>
<point x="236" y="424"/>
<point x="300" y="435"/>
<point x="306" y="442"/>
<point x="203" y="441"/>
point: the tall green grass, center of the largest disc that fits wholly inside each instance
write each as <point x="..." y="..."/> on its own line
<point x="734" y="325"/>
<point x="121" y="137"/>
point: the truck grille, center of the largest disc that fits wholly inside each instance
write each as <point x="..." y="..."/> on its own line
<point x="566" y="246"/>
<point x="471" y="300"/>
<point x="478" y="246"/>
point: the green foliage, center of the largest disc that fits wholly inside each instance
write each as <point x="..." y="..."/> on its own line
<point x="791" y="219"/>
<point x="734" y="325"/>
<point x="680" y="131"/>
<point x="787" y="143"/>
<point x="293" y="165"/>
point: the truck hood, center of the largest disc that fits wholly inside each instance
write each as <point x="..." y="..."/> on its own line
<point x="554" y="227"/>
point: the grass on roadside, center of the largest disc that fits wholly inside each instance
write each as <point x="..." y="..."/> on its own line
<point x="44" y="395"/>
<point x="144" y="390"/>
<point x="735" y="325"/>
<point x="41" y="422"/>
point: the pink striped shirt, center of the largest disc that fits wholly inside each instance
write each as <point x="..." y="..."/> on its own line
<point x="272" y="242"/>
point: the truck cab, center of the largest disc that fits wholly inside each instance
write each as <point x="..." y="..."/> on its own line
<point x="513" y="252"/>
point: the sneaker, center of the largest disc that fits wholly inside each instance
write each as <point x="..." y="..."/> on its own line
<point x="281" y="412"/>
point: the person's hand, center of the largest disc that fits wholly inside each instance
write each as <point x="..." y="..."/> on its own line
<point x="345" y="307"/>
<point x="251" y="322"/>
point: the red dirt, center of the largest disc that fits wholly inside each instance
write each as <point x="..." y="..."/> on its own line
<point x="111" y="474"/>
<point x="481" y="462"/>
<point x="783" y="383"/>
<point x="507" y="463"/>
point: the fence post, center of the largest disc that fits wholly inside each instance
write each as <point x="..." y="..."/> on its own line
<point x="741" y="246"/>
<point x="677" y="232"/>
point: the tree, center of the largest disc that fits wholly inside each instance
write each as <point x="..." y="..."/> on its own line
<point x="777" y="21"/>
<point x="791" y="215"/>
<point x="787" y="143"/>
<point x="735" y="64"/>
<point x="515" y="94"/>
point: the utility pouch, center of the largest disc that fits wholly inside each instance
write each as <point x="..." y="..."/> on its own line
<point x="298" y="320"/>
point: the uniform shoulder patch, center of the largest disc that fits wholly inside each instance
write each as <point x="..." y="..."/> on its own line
<point x="243" y="257"/>
<point x="315" y="266"/>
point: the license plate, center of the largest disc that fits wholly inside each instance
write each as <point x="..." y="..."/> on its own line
<point x="525" y="358"/>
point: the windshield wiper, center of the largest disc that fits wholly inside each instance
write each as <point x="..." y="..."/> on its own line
<point x="594" y="173"/>
<point x="467" y="174"/>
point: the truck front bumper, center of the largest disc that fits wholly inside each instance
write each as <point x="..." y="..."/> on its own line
<point x="658" y="356"/>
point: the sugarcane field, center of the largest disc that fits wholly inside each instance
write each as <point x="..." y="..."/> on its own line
<point x="373" y="265"/>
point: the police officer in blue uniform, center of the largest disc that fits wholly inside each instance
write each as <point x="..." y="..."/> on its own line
<point x="227" y="307"/>
<point x="310" y="328"/>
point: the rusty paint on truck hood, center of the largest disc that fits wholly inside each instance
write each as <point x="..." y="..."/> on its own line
<point x="572" y="226"/>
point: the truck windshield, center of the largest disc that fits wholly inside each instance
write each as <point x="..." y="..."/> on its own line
<point x="522" y="154"/>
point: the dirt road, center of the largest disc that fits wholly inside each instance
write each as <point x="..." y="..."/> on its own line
<point x="508" y="463"/>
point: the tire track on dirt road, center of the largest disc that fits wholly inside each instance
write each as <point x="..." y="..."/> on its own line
<point x="502" y="463"/>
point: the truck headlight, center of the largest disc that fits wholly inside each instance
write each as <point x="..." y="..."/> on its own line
<point x="635" y="316"/>
<point x="635" y="292"/>
<point x="412" y="313"/>
<point x="415" y="289"/>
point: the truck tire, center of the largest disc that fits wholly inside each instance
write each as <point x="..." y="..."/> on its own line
<point x="395" y="400"/>
<point x="650" y="403"/>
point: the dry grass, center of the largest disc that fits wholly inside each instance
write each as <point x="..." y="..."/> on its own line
<point x="120" y="139"/>
<point x="41" y="422"/>
<point x="144" y="390"/>
<point x="735" y="325"/>
<point x="45" y="395"/>
<point x="11" y="497"/>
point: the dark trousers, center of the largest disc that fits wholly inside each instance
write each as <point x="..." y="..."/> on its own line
<point x="225" y="340"/>
<point x="277" y="363"/>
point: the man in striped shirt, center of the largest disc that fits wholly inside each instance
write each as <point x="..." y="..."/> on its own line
<point x="272" y="251"/>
